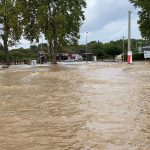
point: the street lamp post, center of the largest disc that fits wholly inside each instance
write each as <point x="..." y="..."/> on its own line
<point x="86" y="46"/>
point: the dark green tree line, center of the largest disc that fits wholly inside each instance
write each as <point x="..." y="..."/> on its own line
<point x="101" y="50"/>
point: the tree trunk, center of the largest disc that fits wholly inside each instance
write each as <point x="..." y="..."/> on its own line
<point x="52" y="53"/>
<point x="113" y="57"/>
<point x="6" y="51"/>
<point x="55" y="52"/>
<point x="54" y="46"/>
<point x="50" y="50"/>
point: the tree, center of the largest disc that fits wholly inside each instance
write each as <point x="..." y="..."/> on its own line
<point x="112" y="50"/>
<point x="93" y="45"/>
<point x="144" y="13"/>
<point x="10" y="18"/>
<point x="23" y="54"/>
<point x="2" y="56"/>
<point x="97" y="49"/>
<point x="33" y="47"/>
<point x="58" y="20"/>
<point x="1" y="47"/>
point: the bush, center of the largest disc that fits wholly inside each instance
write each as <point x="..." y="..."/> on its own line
<point x="2" y="56"/>
<point x="112" y="50"/>
<point x="139" y="56"/>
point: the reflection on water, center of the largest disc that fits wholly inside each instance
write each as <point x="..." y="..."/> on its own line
<point x="94" y="106"/>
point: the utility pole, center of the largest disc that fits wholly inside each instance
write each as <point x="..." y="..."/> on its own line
<point x="129" y="39"/>
<point x="86" y="46"/>
<point x="129" y="31"/>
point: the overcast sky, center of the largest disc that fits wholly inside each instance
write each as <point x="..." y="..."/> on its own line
<point x="106" y="20"/>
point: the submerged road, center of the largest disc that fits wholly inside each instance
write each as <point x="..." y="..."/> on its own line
<point x="93" y="106"/>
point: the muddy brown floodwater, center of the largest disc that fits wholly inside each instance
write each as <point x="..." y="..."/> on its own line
<point x="93" y="106"/>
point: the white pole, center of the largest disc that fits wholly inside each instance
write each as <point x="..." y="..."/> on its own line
<point x="129" y="39"/>
<point x="86" y="46"/>
<point x="129" y="31"/>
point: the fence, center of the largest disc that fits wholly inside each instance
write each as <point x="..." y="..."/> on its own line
<point x="15" y="62"/>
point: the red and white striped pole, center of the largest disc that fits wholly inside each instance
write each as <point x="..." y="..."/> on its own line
<point x="129" y="39"/>
<point x="129" y="57"/>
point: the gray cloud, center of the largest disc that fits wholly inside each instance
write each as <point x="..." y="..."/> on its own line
<point x="105" y="20"/>
<point x="108" y="20"/>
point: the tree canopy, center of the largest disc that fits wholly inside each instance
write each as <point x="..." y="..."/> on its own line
<point x="113" y="50"/>
<point x="144" y="14"/>
<point x="10" y="18"/>
<point x="58" y="20"/>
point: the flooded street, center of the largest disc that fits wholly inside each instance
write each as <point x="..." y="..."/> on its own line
<point x="93" y="106"/>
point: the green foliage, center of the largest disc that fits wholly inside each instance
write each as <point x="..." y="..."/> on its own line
<point x="144" y="14"/>
<point x="112" y="50"/>
<point x="1" y="47"/>
<point x="58" y="20"/>
<point x="22" y="54"/>
<point x="101" y="54"/>
<point x="2" y="56"/>
<point x="11" y="19"/>
<point x="101" y="50"/>
<point x="33" y="47"/>
<point x="139" y="56"/>
<point x="43" y="47"/>
<point x="72" y="49"/>
<point x="97" y="48"/>
<point x="93" y="45"/>
<point x="81" y="49"/>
